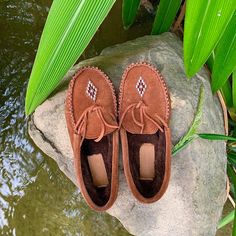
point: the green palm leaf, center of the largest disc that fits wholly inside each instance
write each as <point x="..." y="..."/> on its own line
<point x="165" y="16"/>
<point x="69" y="28"/>
<point x="226" y="89"/>
<point x="226" y="92"/>
<point x="225" y="56"/>
<point x="226" y="220"/>
<point x="129" y="12"/>
<point x="205" y="22"/>
<point x="234" y="89"/>
<point x="192" y="132"/>
<point x="218" y="137"/>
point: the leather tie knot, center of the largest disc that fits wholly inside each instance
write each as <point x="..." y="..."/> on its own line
<point x="158" y="122"/>
<point x="81" y="124"/>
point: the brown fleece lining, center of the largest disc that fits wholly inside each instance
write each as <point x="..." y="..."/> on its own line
<point x="148" y="188"/>
<point x="99" y="195"/>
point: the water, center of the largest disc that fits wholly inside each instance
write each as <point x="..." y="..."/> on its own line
<point x="35" y="197"/>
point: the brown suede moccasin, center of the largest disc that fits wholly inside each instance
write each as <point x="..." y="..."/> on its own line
<point x="91" y="114"/>
<point x="144" y="114"/>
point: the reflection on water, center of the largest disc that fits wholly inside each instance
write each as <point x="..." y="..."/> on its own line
<point x="52" y="206"/>
<point x="35" y="197"/>
<point x="20" y="22"/>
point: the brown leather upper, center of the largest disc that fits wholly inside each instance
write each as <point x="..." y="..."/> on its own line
<point x="146" y="108"/>
<point x="89" y="115"/>
<point x="144" y="112"/>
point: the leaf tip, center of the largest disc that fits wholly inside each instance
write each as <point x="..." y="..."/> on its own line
<point x="28" y="105"/>
<point x="188" y="72"/>
<point x="28" y="110"/>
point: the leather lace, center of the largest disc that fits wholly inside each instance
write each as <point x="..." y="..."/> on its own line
<point x="81" y="124"/>
<point x="143" y="114"/>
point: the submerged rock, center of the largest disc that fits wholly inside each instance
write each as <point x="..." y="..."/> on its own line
<point x="196" y="194"/>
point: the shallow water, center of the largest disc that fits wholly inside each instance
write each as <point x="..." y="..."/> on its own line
<point x="35" y="197"/>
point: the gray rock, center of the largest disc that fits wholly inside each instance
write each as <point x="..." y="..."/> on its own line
<point x="194" y="200"/>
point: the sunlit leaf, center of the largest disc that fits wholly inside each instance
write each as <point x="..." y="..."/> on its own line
<point x="225" y="56"/>
<point x="226" y="89"/>
<point x="165" y="15"/>
<point x="182" y="145"/>
<point x="192" y="132"/>
<point x="205" y="22"/>
<point x="69" y="28"/>
<point x="226" y="220"/>
<point x="129" y="12"/>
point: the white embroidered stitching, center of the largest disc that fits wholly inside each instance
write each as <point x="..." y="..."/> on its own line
<point x="91" y="91"/>
<point x="141" y="86"/>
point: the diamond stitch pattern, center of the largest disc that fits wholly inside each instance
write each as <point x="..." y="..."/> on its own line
<point x="91" y="90"/>
<point x="141" y="86"/>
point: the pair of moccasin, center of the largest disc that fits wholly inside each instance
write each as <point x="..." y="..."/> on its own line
<point x="94" y="126"/>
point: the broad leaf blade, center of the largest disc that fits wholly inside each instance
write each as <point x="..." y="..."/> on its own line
<point x="165" y="15"/>
<point x="205" y="22"/>
<point x="68" y="30"/>
<point x="225" y="56"/>
<point x="210" y="61"/>
<point x="129" y="12"/>
<point x="226" y="92"/>
<point x="226" y="89"/>
<point x="234" y="89"/>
